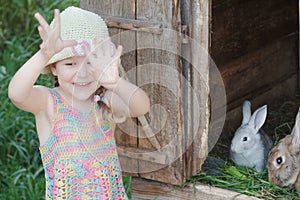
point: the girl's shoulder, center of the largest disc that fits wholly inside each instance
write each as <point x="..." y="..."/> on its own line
<point x="48" y="101"/>
<point x="54" y="94"/>
<point x="35" y="102"/>
<point x="47" y="92"/>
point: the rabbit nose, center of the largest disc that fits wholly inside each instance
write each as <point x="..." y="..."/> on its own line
<point x="232" y="148"/>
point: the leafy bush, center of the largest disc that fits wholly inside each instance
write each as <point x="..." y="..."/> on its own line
<point x="19" y="38"/>
<point x="21" y="171"/>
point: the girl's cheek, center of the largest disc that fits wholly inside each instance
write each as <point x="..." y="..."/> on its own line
<point x="67" y="74"/>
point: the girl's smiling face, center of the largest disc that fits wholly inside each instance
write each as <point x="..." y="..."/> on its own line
<point x="75" y="79"/>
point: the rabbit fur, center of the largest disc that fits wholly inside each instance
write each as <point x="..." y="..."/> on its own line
<point x="284" y="159"/>
<point x="250" y="145"/>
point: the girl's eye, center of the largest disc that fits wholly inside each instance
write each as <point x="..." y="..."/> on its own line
<point x="69" y="64"/>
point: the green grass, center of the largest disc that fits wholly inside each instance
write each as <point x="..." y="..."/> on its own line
<point x="245" y="181"/>
<point x="280" y="122"/>
<point x="21" y="172"/>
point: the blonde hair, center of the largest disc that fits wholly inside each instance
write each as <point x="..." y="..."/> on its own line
<point x="106" y="111"/>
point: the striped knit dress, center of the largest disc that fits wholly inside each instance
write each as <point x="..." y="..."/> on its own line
<point x="80" y="158"/>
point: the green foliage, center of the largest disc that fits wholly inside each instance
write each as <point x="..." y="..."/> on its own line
<point x="20" y="164"/>
<point x="246" y="181"/>
<point x="280" y="122"/>
<point x="21" y="171"/>
<point x="19" y="38"/>
<point x="127" y="184"/>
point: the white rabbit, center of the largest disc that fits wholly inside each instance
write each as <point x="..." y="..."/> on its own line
<point x="250" y="145"/>
<point x="284" y="159"/>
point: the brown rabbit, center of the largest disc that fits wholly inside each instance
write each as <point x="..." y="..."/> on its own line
<point x="284" y="159"/>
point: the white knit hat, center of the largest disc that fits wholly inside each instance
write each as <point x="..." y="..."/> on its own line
<point x="81" y="25"/>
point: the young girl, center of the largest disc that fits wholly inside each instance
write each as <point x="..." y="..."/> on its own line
<point x="77" y="144"/>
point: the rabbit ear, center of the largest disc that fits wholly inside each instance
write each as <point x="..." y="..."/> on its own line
<point x="259" y="117"/>
<point x="296" y="130"/>
<point x="246" y="112"/>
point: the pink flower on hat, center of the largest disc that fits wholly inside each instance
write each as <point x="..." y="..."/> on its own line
<point x="79" y="49"/>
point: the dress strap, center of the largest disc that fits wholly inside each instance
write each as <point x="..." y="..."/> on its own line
<point x="57" y="100"/>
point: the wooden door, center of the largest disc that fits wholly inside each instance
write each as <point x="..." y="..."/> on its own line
<point x="164" y="145"/>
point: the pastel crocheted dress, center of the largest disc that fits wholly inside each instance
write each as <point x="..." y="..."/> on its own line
<point x="80" y="158"/>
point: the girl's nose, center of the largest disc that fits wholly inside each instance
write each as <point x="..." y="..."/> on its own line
<point x="82" y="72"/>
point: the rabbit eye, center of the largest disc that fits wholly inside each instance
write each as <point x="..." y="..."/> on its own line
<point x="279" y="160"/>
<point x="245" y="139"/>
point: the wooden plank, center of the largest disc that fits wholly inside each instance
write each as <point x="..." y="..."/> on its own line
<point x="257" y="72"/>
<point x="144" y="155"/>
<point x="199" y="113"/>
<point x="158" y="72"/>
<point x="159" y="75"/>
<point x="274" y="97"/>
<point x="187" y="124"/>
<point x="218" y="2"/>
<point x="130" y="24"/>
<point x="125" y="133"/>
<point x="298" y="76"/>
<point x="240" y="27"/>
<point x="255" y="46"/>
<point x="149" y="190"/>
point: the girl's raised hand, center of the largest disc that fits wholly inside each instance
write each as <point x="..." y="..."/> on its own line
<point x="51" y="40"/>
<point x="104" y="62"/>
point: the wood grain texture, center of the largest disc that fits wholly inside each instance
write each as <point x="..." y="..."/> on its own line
<point x="259" y="71"/>
<point x="149" y="190"/>
<point x="152" y="61"/>
<point x="240" y="27"/>
<point x="255" y="45"/>
<point x="164" y="88"/>
<point x="125" y="133"/>
<point x="280" y="92"/>
<point x="132" y="24"/>
<point x="199" y="113"/>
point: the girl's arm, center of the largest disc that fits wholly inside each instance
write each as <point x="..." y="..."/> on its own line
<point x="21" y="88"/>
<point x="122" y="96"/>
<point x="127" y="99"/>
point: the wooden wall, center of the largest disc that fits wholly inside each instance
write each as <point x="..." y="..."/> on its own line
<point x="254" y="44"/>
<point x="150" y="33"/>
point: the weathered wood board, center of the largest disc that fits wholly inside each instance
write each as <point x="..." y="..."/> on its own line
<point x="161" y="150"/>
<point x="149" y="190"/>
<point x="255" y="45"/>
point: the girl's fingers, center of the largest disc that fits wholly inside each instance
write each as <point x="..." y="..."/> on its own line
<point x="118" y="52"/>
<point x="56" y="20"/>
<point x="102" y="46"/>
<point x="107" y="47"/>
<point x="69" y="43"/>
<point x="113" y="49"/>
<point x="105" y="41"/>
<point x="95" y="42"/>
<point x="42" y="46"/>
<point x="87" y="52"/>
<point x="42" y="33"/>
<point x="42" y="21"/>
